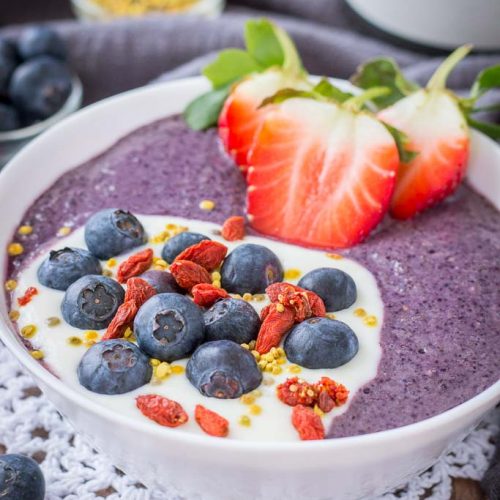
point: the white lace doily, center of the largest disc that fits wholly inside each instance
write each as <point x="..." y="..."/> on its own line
<point x="31" y="425"/>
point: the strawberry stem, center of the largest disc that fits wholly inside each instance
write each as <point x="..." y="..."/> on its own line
<point x="356" y="102"/>
<point x="438" y="79"/>
<point x="292" y="65"/>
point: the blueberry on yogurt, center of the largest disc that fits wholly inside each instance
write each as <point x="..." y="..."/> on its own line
<point x="161" y="281"/>
<point x="335" y="287"/>
<point x="113" y="231"/>
<point x="321" y="343"/>
<point x="178" y="243"/>
<point x="169" y="326"/>
<point x="223" y="369"/>
<point x="231" y="319"/>
<point x="250" y="268"/>
<point x="114" y="367"/>
<point x="63" y="267"/>
<point x="20" y="478"/>
<point x="91" y="302"/>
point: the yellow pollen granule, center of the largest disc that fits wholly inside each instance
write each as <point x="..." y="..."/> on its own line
<point x="89" y="343"/>
<point x="28" y="331"/>
<point x="91" y="335"/>
<point x="256" y="393"/>
<point x="292" y="274"/>
<point x="247" y="399"/>
<point x="53" y="321"/>
<point x="268" y="368"/>
<point x="64" y="231"/>
<point x="14" y="315"/>
<point x="262" y="364"/>
<point x="319" y="411"/>
<point x="255" y="409"/>
<point x="111" y="262"/>
<point x="37" y="354"/>
<point x="294" y="369"/>
<point x="245" y="421"/>
<point x="330" y="315"/>
<point x="107" y="272"/>
<point x="163" y="370"/>
<point x="259" y="297"/>
<point x="216" y="283"/>
<point x="75" y="341"/>
<point x="359" y="312"/>
<point x="281" y="361"/>
<point x="280" y="307"/>
<point x="128" y="333"/>
<point x="154" y="362"/>
<point x="280" y="351"/>
<point x="268" y="381"/>
<point x="177" y="369"/>
<point x="15" y="249"/>
<point x="276" y="370"/>
<point x="370" y="321"/>
<point x="25" y="230"/>
<point x="216" y="275"/>
<point x="207" y="205"/>
<point x="158" y="261"/>
<point x="10" y="285"/>
<point x="256" y="354"/>
<point x="334" y="256"/>
<point x="245" y="346"/>
<point x="247" y="296"/>
<point x="252" y="344"/>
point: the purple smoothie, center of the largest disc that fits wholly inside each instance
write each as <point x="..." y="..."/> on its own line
<point x="439" y="274"/>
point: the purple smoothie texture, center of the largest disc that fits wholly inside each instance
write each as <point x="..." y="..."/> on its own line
<point x="438" y="274"/>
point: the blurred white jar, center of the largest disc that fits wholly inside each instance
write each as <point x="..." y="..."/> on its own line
<point x="438" y="23"/>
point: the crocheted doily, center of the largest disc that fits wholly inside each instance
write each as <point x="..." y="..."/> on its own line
<point x="31" y="425"/>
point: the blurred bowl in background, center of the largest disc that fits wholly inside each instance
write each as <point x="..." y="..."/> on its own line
<point x="443" y="24"/>
<point x="102" y="10"/>
<point x="13" y="140"/>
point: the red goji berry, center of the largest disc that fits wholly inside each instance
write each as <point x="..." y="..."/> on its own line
<point x="28" y="295"/>
<point x="277" y="322"/>
<point x="276" y="289"/>
<point x="307" y="423"/>
<point x="338" y="393"/>
<point x="136" y="264"/>
<point x="188" y="274"/>
<point x="123" y="318"/>
<point x="233" y="228"/>
<point x="138" y="290"/>
<point x="162" y="410"/>
<point x="210" y="422"/>
<point x="207" y="253"/>
<point x="295" y="391"/>
<point x="206" y="295"/>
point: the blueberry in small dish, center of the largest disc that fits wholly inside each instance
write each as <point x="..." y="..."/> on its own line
<point x="335" y="287"/>
<point x="250" y="268"/>
<point x="63" y="267"/>
<point x="161" y="281"/>
<point x="113" y="231"/>
<point x="321" y="343"/>
<point x="178" y="243"/>
<point x="39" y="41"/>
<point x="114" y="367"/>
<point x="169" y="326"/>
<point x="8" y="62"/>
<point x="223" y="369"/>
<point x="20" y="478"/>
<point x="231" y="319"/>
<point x="9" y="118"/>
<point x="91" y="302"/>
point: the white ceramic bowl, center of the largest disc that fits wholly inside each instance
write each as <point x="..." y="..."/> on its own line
<point x="199" y="467"/>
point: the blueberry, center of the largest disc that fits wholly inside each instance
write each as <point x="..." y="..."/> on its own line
<point x="91" y="302"/>
<point x="113" y="231"/>
<point x="161" y="281"/>
<point x="39" y="87"/>
<point x="231" y="319"/>
<point x="250" y="268"/>
<point x="9" y="118"/>
<point x="175" y="245"/>
<point x="65" y="266"/>
<point x="223" y="369"/>
<point x="8" y="62"/>
<point x="169" y="326"/>
<point x="335" y="287"/>
<point x="40" y="41"/>
<point x="20" y="478"/>
<point x="114" y="367"/>
<point x="321" y="343"/>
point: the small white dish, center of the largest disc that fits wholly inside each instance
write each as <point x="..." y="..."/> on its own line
<point x="199" y="467"/>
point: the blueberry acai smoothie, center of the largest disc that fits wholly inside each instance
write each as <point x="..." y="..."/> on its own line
<point x="419" y="334"/>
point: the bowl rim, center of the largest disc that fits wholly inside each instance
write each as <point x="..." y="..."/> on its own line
<point x="9" y="337"/>
<point x="71" y="104"/>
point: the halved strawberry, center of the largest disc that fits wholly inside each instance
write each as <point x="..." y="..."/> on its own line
<point x="322" y="174"/>
<point x="242" y="116"/>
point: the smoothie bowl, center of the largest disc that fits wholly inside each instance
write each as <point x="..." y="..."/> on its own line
<point x="415" y="362"/>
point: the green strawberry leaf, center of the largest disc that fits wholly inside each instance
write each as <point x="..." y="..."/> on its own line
<point x="326" y="89"/>
<point x="383" y="72"/>
<point x="262" y="43"/>
<point x="486" y="80"/>
<point x="285" y="94"/>
<point x="204" y="111"/>
<point x="401" y="139"/>
<point x="230" y="65"/>
<point x="490" y="129"/>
